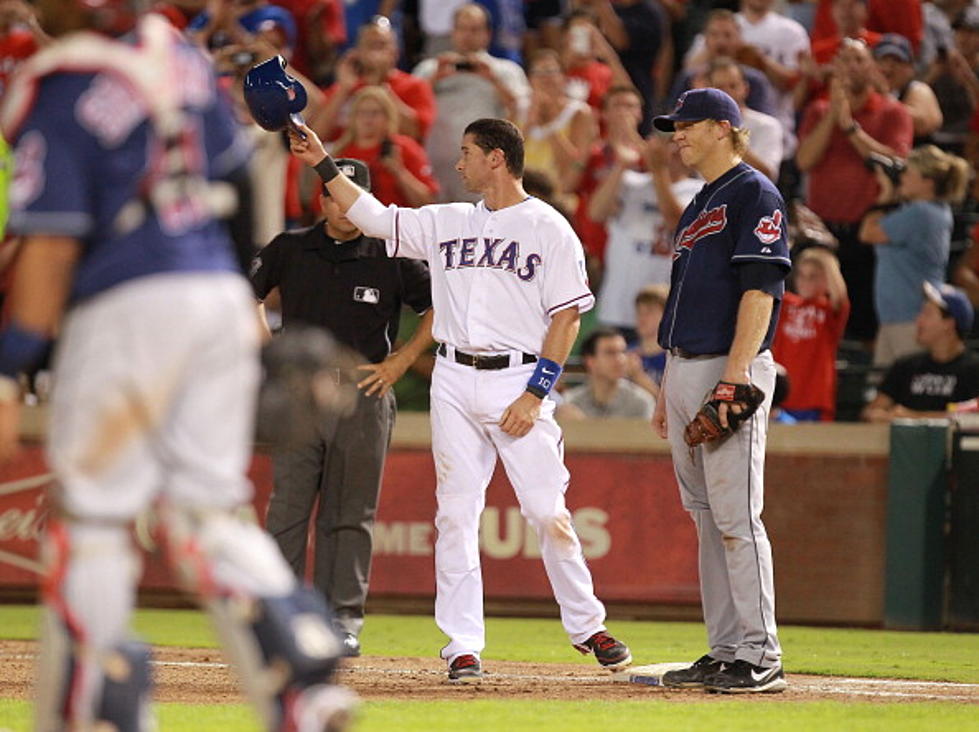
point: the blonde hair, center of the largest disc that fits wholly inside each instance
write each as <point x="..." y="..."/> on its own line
<point x="653" y="295"/>
<point x="950" y="173"/>
<point x="740" y="137"/>
<point x="822" y="258"/>
<point x="369" y="93"/>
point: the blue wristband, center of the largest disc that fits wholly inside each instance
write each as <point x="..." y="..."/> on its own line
<point x="20" y="348"/>
<point x="545" y="377"/>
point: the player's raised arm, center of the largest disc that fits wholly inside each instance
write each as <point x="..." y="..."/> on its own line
<point x="307" y="146"/>
<point x="361" y="207"/>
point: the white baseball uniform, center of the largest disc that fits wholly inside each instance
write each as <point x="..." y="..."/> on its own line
<point x="640" y="245"/>
<point x="497" y="279"/>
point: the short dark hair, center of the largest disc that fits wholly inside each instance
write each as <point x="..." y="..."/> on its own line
<point x="589" y="346"/>
<point x="491" y="134"/>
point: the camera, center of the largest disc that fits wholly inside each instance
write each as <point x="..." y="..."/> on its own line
<point x="892" y="167"/>
<point x="465" y="66"/>
<point x="387" y="147"/>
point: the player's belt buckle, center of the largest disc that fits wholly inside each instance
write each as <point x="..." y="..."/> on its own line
<point x="482" y="362"/>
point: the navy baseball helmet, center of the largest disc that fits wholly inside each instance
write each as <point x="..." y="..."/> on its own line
<point x="273" y="97"/>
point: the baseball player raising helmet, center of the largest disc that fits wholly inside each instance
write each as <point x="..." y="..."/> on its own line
<point x="508" y="287"/>
<point x="730" y="259"/>
<point x="125" y="151"/>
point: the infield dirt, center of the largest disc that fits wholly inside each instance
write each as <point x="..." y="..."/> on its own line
<point x="200" y="676"/>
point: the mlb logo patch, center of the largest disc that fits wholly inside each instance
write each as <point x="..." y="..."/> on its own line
<point x="370" y="295"/>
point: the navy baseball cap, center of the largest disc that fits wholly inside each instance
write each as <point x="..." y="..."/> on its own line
<point x="894" y="44"/>
<point x="954" y="303"/>
<point x="697" y="104"/>
<point x="356" y="170"/>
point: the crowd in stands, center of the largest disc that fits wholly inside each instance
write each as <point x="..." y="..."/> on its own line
<point x="865" y="113"/>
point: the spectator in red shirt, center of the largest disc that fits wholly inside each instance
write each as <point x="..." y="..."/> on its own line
<point x="850" y="20"/>
<point x="591" y="64"/>
<point x="621" y="117"/>
<point x="20" y="37"/>
<point x="372" y="62"/>
<point x="883" y="16"/>
<point x="400" y="173"/>
<point x="837" y="134"/>
<point x="809" y="331"/>
<point x="321" y="32"/>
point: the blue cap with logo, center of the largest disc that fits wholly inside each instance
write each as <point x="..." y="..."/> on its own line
<point x="274" y="98"/>
<point x="954" y="303"/>
<point x="697" y="104"/>
<point x="896" y="45"/>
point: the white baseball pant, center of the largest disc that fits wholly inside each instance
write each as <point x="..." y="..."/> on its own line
<point x="466" y="408"/>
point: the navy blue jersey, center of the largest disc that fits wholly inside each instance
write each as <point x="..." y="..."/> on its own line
<point x="85" y="149"/>
<point x="737" y="219"/>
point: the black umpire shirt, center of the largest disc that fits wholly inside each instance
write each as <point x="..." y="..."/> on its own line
<point x="352" y="288"/>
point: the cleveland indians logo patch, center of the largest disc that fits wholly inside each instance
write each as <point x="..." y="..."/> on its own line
<point x="769" y="229"/>
<point x="707" y="223"/>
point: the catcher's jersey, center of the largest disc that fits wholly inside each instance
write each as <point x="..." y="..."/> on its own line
<point x="736" y="219"/>
<point x="497" y="276"/>
<point x="78" y="172"/>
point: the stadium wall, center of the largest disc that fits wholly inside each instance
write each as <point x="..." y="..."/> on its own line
<point x="826" y="495"/>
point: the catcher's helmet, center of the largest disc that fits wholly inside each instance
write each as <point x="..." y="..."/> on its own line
<point x="273" y="97"/>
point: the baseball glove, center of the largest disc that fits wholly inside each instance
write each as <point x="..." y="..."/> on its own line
<point x="706" y="424"/>
<point x="301" y="383"/>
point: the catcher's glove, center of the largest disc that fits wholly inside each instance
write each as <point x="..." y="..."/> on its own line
<point x="706" y="424"/>
<point x="301" y="383"/>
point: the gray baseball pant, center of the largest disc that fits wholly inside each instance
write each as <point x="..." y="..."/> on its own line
<point x="342" y="465"/>
<point x="722" y="486"/>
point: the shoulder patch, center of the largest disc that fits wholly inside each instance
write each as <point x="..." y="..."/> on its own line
<point x="769" y="228"/>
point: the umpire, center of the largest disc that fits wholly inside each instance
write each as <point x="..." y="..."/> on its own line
<point x="332" y="276"/>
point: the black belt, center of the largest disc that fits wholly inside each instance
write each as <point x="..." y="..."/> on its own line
<point x="484" y="363"/>
<point x="684" y="353"/>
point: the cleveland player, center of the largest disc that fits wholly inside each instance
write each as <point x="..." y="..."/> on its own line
<point x="508" y="288"/>
<point x="730" y="260"/>
<point x="125" y="150"/>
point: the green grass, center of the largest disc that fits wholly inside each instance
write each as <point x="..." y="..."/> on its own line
<point x="584" y="716"/>
<point x="830" y="651"/>
<point x="833" y="651"/>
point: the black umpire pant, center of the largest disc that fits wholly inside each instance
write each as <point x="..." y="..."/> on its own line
<point x="342" y="466"/>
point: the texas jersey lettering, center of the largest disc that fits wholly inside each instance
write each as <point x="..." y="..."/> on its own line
<point x="473" y="252"/>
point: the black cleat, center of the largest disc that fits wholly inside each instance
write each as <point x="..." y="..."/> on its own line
<point x="742" y="677"/>
<point x="465" y="668"/>
<point x="351" y="645"/>
<point x="611" y="654"/>
<point x="693" y="676"/>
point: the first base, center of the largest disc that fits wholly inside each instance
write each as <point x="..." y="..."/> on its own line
<point x="650" y="675"/>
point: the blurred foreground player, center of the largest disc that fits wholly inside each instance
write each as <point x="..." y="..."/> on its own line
<point x="125" y="158"/>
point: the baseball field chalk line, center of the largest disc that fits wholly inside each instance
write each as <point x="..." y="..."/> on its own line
<point x="644" y="675"/>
